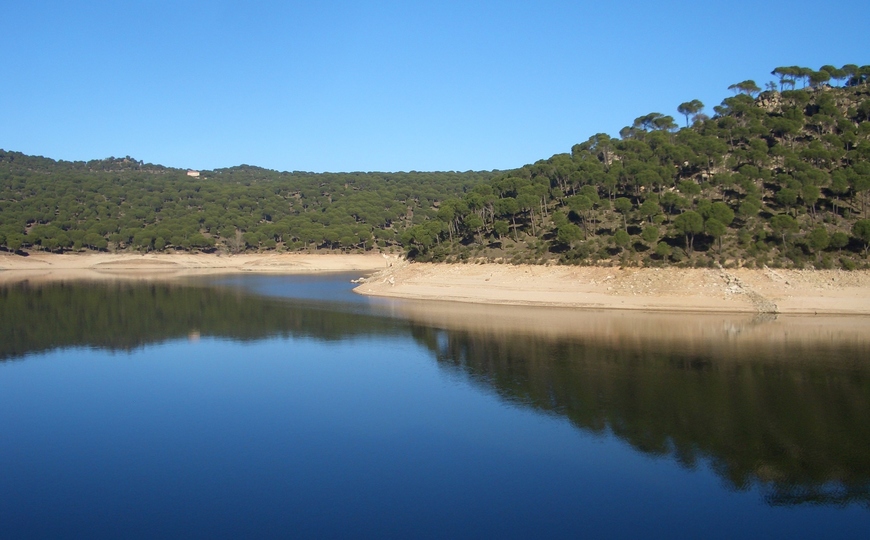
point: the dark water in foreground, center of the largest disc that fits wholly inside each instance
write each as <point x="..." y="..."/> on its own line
<point x="286" y="407"/>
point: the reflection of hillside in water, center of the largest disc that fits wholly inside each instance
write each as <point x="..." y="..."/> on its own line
<point x="796" y="426"/>
<point x="123" y="316"/>
<point x="779" y="403"/>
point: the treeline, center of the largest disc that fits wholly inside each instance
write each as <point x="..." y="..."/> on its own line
<point x="124" y="204"/>
<point x="777" y="177"/>
<point x="774" y="177"/>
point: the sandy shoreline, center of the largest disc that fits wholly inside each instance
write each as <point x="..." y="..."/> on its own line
<point x="46" y="268"/>
<point x="806" y="292"/>
<point x="813" y="292"/>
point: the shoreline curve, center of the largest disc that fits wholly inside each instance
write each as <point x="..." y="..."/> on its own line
<point x="742" y="290"/>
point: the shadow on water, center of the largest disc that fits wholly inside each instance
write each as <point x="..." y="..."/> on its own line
<point x="779" y="404"/>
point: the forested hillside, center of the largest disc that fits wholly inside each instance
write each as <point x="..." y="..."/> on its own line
<point x="123" y="204"/>
<point x="777" y="177"/>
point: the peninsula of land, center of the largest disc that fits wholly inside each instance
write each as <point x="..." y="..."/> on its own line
<point x="743" y="290"/>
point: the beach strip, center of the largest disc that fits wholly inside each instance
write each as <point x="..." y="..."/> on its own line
<point x="742" y="290"/>
<point x="45" y="268"/>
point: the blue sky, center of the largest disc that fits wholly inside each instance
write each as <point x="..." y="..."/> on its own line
<point x="386" y="86"/>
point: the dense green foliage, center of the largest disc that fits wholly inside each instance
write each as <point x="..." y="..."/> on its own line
<point x="774" y="177"/>
<point x="124" y="204"/>
<point x="779" y="177"/>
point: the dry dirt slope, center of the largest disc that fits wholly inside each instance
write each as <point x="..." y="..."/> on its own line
<point x="736" y="290"/>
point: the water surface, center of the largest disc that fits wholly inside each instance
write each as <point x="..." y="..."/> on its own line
<point x="287" y="406"/>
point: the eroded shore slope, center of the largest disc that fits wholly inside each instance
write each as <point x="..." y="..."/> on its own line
<point x="647" y="289"/>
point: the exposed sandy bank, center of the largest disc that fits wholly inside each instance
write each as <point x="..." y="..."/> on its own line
<point x="647" y="289"/>
<point x="43" y="268"/>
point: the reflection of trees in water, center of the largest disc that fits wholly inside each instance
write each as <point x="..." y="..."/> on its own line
<point x="123" y="316"/>
<point x="796" y="427"/>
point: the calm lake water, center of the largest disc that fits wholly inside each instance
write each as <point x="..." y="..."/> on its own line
<point x="253" y="406"/>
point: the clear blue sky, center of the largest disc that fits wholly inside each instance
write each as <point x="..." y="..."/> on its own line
<point x="387" y="86"/>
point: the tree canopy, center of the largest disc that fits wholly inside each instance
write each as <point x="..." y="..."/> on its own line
<point x="124" y="204"/>
<point x="760" y="181"/>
